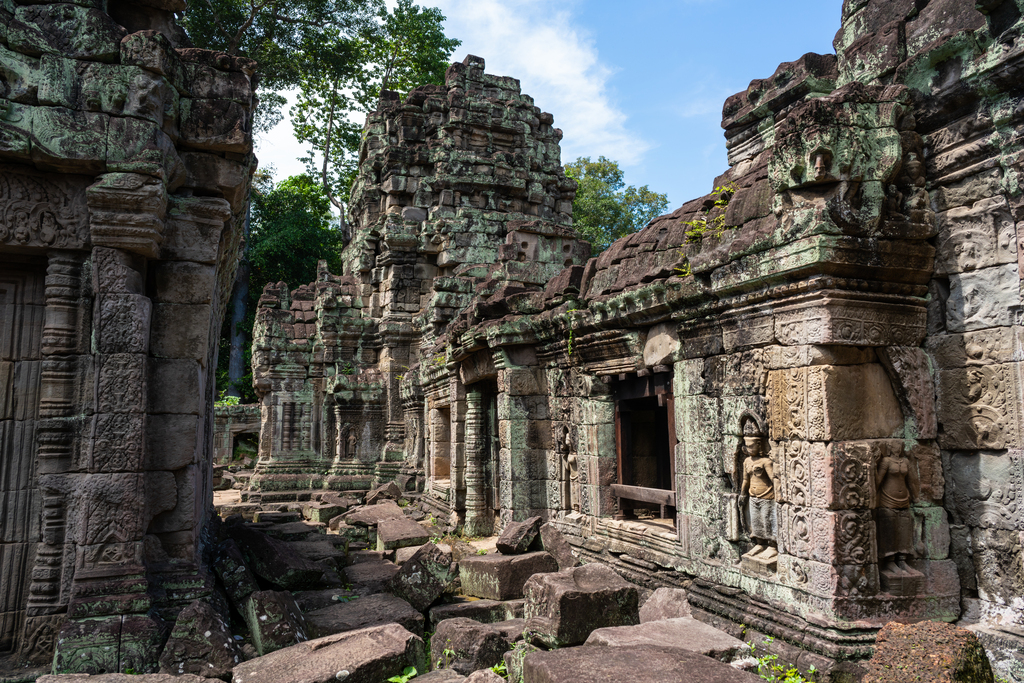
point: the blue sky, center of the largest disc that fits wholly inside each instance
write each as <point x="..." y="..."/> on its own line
<point x="642" y="83"/>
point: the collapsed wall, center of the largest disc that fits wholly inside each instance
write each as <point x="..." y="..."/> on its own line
<point x="799" y="396"/>
<point x="125" y="158"/>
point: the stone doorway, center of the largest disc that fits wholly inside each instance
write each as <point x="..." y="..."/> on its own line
<point x="645" y="442"/>
<point x="22" y="306"/>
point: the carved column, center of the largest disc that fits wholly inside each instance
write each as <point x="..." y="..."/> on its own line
<point x="55" y="437"/>
<point x="479" y="515"/>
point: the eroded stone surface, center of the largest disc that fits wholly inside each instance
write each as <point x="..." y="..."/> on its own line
<point x="564" y="607"/>
<point x="368" y="655"/>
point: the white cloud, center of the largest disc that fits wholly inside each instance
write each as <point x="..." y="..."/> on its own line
<point x="557" y="64"/>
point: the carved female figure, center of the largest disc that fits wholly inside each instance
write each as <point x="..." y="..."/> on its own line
<point x="897" y="485"/>
<point x="351" y="452"/>
<point x="570" y="468"/>
<point x="757" y="489"/>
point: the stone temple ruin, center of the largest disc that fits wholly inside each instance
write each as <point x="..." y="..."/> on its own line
<point x="799" y="398"/>
<point x="810" y="417"/>
<point x="124" y="170"/>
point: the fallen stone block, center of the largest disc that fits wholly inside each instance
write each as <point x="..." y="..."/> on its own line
<point x="371" y="515"/>
<point x="502" y="577"/>
<point x="563" y="608"/>
<point x="927" y="651"/>
<point x="342" y="500"/>
<point x="369" y="655"/>
<point x="647" y="664"/>
<point x="684" y="633"/>
<point x="388" y="491"/>
<point x="294" y="531"/>
<point x="514" y="659"/>
<point x="665" y="603"/>
<point x="518" y="536"/>
<point x="201" y="643"/>
<point x="370" y="577"/>
<point x="484" y="676"/>
<point x="275" y="560"/>
<point x="274" y="621"/>
<point x="424" y="577"/>
<point x="552" y="540"/>
<point x="351" y="533"/>
<point x="230" y="566"/>
<point x="484" y="611"/>
<point x="321" y="513"/>
<point x="275" y="517"/>
<point x="401" y="532"/>
<point x="121" y="678"/>
<point x="403" y="555"/>
<point x="513" y="629"/>
<point x="310" y="601"/>
<point x="465" y="646"/>
<point x="322" y="550"/>
<point x="373" y="610"/>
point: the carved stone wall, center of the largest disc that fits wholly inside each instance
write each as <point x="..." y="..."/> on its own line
<point x="827" y="348"/>
<point x="124" y="165"/>
<point x="460" y="198"/>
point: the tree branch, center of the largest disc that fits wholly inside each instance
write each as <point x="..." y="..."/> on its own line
<point x="216" y="21"/>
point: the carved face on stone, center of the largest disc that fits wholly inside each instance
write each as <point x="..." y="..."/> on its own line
<point x="821" y="165"/>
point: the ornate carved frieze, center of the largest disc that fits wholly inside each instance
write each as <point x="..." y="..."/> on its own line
<point x="126" y="211"/>
<point x="832" y="537"/>
<point x="859" y="322"/>
<point x="39" y="211"/>
<point x="912" y="378"/>
<point x="832" y="402"/>
<point x="980" y="407"/>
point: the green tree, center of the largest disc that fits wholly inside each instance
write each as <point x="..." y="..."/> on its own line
<point x="403" y="49"/>
<point x="605" y="209"/>
<point x="287" y="38"/>
<point x="291" y="229"/>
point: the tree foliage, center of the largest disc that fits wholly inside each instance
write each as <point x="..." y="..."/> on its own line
<point x="291" y="230"/>
<point x="605" y="208"/>
<point x="287" y="38"/>
<point x="403" y="49"/>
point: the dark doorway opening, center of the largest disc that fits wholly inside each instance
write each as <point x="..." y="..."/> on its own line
<point x="646" y="442"/>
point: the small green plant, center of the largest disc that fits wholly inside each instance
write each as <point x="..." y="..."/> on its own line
<point x="769" y="668"/>
<point x="407" y="675"/>
<point x="224" y="400"/>
<point x="347" y="368"/>
<point x="447" y="657"/>
<point x="571" y="338"/>
<point x="500" y="669"/>
<point x="481" y="551"/>
<point x="708" y="223"/>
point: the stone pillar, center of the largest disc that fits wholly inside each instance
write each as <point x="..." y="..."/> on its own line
<point x="479" y="514"/>
<point x="55" y="443"/>
<point x="109" y="495"/>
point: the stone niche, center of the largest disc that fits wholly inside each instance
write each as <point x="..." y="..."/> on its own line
<point x="120" y="199"/>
